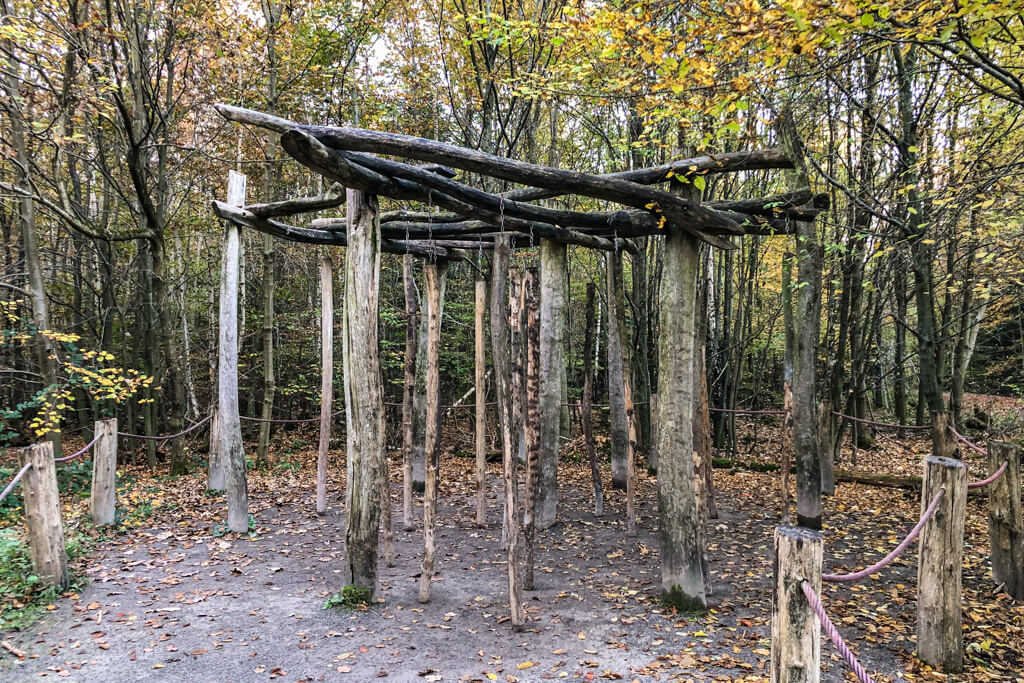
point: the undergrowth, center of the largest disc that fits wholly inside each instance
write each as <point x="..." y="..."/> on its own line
<point x="24" y="596"/>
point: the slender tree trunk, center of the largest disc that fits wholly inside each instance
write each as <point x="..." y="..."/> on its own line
<point x="552" y="368"/>
<point x="408" y="390"/>
<point x="587" y="410"/>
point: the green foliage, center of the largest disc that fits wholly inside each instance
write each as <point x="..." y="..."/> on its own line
<point x="350" y="597"/>
<point x="23" y="595"/>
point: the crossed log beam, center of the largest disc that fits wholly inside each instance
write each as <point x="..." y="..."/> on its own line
<point x="473" y="218"/>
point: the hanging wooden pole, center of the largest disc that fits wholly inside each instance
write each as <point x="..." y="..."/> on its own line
<point x="939" y="564"/>
<point x="1005" y="519"/>
<point x="517" y="386"/>
<point x="432" y="276"/>
<point x="326" y="377"/>
<point x="42" y="514"/>
<point x="588" y="392"/>
<point x="618" y="421"/>
<point x="229" y="429"/>
<point x="796" y="629"/>
<point x="533" y="423"/>
<point x="499" y="355"/>
<point x="480" y="380"/>
<point x="364" y="407"/>
<point x="408" y="389"/>
<point x="553" y="296"/>
<point x="103" y="496"/>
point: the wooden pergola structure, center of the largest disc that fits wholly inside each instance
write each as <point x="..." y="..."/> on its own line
<point x="474" y="220"/>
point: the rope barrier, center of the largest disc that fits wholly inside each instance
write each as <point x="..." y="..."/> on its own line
<point x="884" y="425"/>
<point x="71" y="457"/>
<point x="169" y="437"/>
<point x="742" y="411"/>
<point x="308" y="419"/>
<point x="17" y="478"/>
<point x="833" y="634"/>
<point x="897" y="551"/>
<point x="995" y="475"/>
<point x="965" y="441"/>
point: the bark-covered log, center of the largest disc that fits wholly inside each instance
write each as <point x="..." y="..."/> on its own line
<point x="796" y="630"/>
<point x="1005" y="519"/>
<point x="42" y="515"/>
<point x="334" y="197"/>
<point x="433" y="273"/>
<point x="533" y="420"/>
<point x="618" y="423"/>
<point x="588" y="392"/>
<point x="553" y="292"/>
<point x="326" y="378"/>
<point x="479" y="384"/>
<point x="103" y="495"/>
<point x="408" y="389"/>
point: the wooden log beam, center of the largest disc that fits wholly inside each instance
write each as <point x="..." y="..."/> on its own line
<point x="334" y="197"/>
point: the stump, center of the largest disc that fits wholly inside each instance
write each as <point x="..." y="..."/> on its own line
<point x="103" y="495"/>
<point x="1005" y="520"/>
<point x="796" y="629"/>
<point x="939" y="633"/>
<point x="42" y="514"/>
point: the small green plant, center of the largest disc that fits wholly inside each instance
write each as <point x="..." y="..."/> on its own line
<point x="350" y="597"/>
<point x="24" y="595"/>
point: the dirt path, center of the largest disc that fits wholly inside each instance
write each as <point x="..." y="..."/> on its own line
<point x="176" y="602"/>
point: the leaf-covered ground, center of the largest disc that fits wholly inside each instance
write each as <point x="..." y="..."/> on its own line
<point x="176" y="599"/>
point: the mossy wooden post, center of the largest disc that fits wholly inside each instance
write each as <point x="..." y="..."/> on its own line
<point x="479" y="382"/>
<point x="682" y="575"/>
<point x="408" y="389"/>
<point x="1005" y="520"/>
<point x="796" y="630"/>
<point x="364" y="408"/>
<point x="103" y="496"/>
<point x="552" y="370"/>
<point x="326" y="378"/>
<point x="229" y="427"/>
<point x="42" y="514"/>
<point x="939" y="593"/>
<point x="432" y="276"/>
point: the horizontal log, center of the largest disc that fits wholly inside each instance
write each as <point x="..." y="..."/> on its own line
<point x="334" y="197"/>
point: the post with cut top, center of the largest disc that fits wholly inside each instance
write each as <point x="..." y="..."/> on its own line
<point x="1005" y="520"/>
<point x="42" y="514"/>
<point x="103" y="495"/>
<point x="796" y="629"/>
<point x="939" y="633"/>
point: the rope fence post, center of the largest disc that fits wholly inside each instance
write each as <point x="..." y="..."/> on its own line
<point x="216" y="473"/>
<point x="796" y="629"/>
<point x="943" y="443"/>
<point x="103" y="495"/>
<point x="939" y="589"/>
<point x="42" y="514"/>
<point x="1005" y="520"/>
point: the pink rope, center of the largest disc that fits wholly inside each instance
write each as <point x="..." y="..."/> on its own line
<point x="169" y="437"/>
<point x="89" y="445"/>
<point x="897" y="551"/>
<point x="308" y="419"/>
<point x="833" y="634"/>
<point x="963" y="439"/>
<point x="995" y="475"/>
<point x="873" y="423"/>
<point x="17" y="478"/>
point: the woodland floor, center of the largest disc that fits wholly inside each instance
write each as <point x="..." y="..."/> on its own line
<point x="175" y="599"/>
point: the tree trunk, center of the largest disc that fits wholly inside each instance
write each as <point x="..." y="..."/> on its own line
<point x="552" y="368"/>
<point x="363" y="392"/>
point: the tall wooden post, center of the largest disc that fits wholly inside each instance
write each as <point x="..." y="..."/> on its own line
<point x="682" y="545"/>
<point x="42" y="514"/>
<point x="216" y="472"/>
<point x="326" y="377"/>
<point x="939" y="592"/>
<point x="229" y="428"/>
<point x="1005" y="520"/>
<point x="652" y="450"/>
<point x="585" y="407"/>
<point x="617" y="418"/>
<point x="552" y="370"/>
<point x="533" y="423"/>
<point x="943" y="444"/>
<point x="103" y="497"/>
<point x="408" y="389"/>
<point x="480" y="380"/>
<point x="825" y="450"/>
<point x="364" y="408"/>
<point x="432" y="276"/>
<point x="796" y="629"/>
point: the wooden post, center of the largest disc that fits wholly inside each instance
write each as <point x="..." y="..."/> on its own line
<point x="796" y="629"/>
<point x="364" y="408"/>
<point x="825" y="450"/>
<point x="42" y="514"/>
<point x="386" y="522"/>
<point x="499" y="354"/>
<point x="432" y="276"/>
<point x="103" y="498"/>
<point x="682" y="545"/>
<point x="652" y="450"/>
<point x="618" y="421"/>
<point x="533" y="423"/>
<point x="480" y="380"/>
<point x="939" y="594"/>
<point x="216" y="472"/>
<point x="229" y="432"/>
<point x="1005" y="520"/>
<point x="585" y="408"/>
<point x="408" y="389"/>
<point x="552" y="370"/>
<point x="326" y="377"/>
<point x="943" y="444"/>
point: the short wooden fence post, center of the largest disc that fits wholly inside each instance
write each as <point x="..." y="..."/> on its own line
<point x="796" y="629"/>
<point x="216" y="472"/>
<point x="42" y="514"/>
<point x="939" y="590"/>
<point x="103" y="499"/>
<point x="1005" y="520"/>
